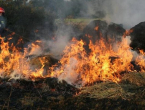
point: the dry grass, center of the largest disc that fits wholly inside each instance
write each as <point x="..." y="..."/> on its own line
<point x="49" y="94"/>
<point x="135" y="78"/>
<point x="129" y="86"/>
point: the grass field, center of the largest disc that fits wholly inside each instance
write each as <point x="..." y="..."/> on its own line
<point x="77" y="20"/>
<point x="79" y="23"/>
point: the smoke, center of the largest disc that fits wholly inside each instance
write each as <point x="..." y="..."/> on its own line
<point x="57" y="46"/>
<point x="69" y="74"/>
<point x="57" y="43"/>
<point x="134" y="53"/>
<point x="126" y="12"/>
<point x="92" y="9"/>
<point x="63" y="34"/>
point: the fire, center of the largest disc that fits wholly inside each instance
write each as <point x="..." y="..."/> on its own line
<point x="14" y="64"/>
<point x="35" y="48"/>
<point x="96" y="28"/>
<point x="140" y="60"/>
<point x="105" y="62"/>
<point x="97" y="66"/>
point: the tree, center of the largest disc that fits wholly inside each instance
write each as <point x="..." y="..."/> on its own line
<point x="23" y="18"/>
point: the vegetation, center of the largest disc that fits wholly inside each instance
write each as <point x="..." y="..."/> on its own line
<point x="40" y="18"/>
<point x="24" y="19"/>
<point x="48" y="94"/>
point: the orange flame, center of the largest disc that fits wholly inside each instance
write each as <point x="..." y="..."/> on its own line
<point x="104" y="62"/>
<point x="96" y="28"/>
<point x="13" y="64"/>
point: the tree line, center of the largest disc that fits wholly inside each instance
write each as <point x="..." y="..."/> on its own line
<point x="24" y="16"/>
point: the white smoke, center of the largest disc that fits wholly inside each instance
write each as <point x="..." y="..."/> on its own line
<point x="69" y="74"/>
<point x="126" y="12"/>
<point x="56" y="45"/>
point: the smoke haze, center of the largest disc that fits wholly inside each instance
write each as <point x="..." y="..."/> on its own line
<point x="126" y="12"/>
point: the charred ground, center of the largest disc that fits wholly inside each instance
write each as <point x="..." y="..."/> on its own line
<point x="49" y="93"/>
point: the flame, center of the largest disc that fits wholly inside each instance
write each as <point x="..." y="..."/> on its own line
<point x="127" y="32"/>
<point x="140" y="60"/>
<point x="35" y="48"/>
<point x="14" y="64"/>
<point x="96" y="28"/>
<point x="105" y="62"/>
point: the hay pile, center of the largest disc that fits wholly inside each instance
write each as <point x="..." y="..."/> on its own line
<point x="138" y="36"/>
<point x="127" y="95"/>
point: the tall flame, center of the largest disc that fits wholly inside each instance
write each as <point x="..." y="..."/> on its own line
<point x="104" y="62"/>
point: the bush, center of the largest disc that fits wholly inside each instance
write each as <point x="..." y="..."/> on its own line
<point x="24" y="19"/>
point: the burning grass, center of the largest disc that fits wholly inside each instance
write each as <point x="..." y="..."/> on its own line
<point x="79" y="80"/>
<point x="105" y="62"/>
